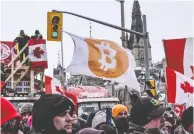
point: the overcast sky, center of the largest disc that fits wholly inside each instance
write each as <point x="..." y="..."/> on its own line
<point x="165" y="19"/>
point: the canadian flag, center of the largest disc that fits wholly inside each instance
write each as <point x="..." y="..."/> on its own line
<point x="37" y="53"/>
<point x="179" y="109"/>
<point x="180" y="88"/>
<point x="179" y="55"/>
<point x="53" y="86"/>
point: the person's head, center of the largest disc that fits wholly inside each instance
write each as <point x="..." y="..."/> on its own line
<point x="99" y="118"/>
<point x="74" y="116"/>
<point x="22" y="32"/>
<point x="99" y="122"/>
<point x="187" y="119"/>
<point x="26" y="111"/>
<point x="52" y="113"/>
<point x="9" y="118"/>
<point x="108" y="129"/>
<point x="37" y="32"/>
<point x="147" y="112"/>
<point x="119" y="111"/>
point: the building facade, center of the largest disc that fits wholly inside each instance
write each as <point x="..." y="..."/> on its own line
<point x="136" y="43"/>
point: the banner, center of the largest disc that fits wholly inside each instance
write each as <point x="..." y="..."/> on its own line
<point x="7" y="49"/>
<point x="22" y="86"/>
<point x="103" y="59"/>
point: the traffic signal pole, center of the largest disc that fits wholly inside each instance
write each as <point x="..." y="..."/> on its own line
<point x="144" y="34"/>
<point x="101" y="22"/>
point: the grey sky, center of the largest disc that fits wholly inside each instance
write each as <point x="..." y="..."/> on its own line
<point x="165" y="19"/>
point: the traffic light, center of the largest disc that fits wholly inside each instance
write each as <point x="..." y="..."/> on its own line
<point x="151" y="84"/>
<point x="54" y="26"/>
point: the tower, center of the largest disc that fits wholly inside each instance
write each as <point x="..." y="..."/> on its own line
<point x="136" y="43"/>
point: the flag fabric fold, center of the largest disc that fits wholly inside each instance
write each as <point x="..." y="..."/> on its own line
<point x="103" y="59"/>
<point x="179" y="55"/>
<point x="2" y="85"/>
<point x="52" y="86"/>
<point x="180" y="88"/>
<point x="37" y="53"/>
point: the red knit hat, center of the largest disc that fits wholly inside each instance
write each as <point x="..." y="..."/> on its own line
<point x="8" y="111"/>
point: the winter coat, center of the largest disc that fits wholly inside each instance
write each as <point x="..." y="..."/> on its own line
<point x="22" y="40"/>
<point x="136" y="129"/>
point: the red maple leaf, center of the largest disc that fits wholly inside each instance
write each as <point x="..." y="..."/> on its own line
<point x="187" y="87"/>
<point x="38" y="52"/>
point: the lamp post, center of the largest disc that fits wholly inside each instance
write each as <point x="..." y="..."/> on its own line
<point x="123" y="43"/>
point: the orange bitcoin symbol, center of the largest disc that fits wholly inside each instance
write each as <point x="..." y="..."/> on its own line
<point x="106" y="59"/>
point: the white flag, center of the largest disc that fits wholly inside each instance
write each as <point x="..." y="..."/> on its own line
<point x="103" y="59"/>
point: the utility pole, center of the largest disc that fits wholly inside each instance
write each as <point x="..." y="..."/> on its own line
<point x="146" y="42"/>
<point x="123" y="43"/>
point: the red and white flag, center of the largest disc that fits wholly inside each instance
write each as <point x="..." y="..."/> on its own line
<point x="179" y="109"/>
<point x="53" y="86"/>
<point x="179" y="55"/>
<point x="6" y="51"/>
<point x="2" y="85"/>
<point x="37" y="53"/>
<point x="180" y="88"/>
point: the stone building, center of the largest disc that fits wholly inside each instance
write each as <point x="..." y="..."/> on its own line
<point x="136" y="43"/>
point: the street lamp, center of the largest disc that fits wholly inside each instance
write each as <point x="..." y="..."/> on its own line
<point x="123" y="43"/>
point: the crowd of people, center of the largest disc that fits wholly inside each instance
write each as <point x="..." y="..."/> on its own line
<point x="57" y="114"/>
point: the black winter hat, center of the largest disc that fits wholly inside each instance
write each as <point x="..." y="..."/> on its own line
<point x="46" y="108"/>
<point x="144" y="110"/>
<point x="187" y="117"/>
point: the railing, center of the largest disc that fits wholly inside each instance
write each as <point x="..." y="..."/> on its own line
<point x="13" y="71"/>
<point x="14" y="58"/>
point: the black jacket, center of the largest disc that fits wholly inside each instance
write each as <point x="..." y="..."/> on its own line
<point x="22" y="40"/>
<point x="136" y="129"/>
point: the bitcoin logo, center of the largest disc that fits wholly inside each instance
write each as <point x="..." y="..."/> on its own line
<point x="106" y="58"/>
<point x="111" y="55"/>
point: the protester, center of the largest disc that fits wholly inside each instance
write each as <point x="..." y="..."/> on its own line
<point x="83" y="123"/>
<point x="26" y="112"/>
<point x="37" y="35"/>
<point x="120" y="115"/>
<point x="145" y="116"/>
<point x="75" y="123"/>
<point x="9" y="118"/>
<point x="187" y="119"/>
<point x="52" y="114"/>
<point x="133" y="95"/>
<point x="99" y="122"/>
<point x="29" y="122"/>
<point x="22" y="40"/>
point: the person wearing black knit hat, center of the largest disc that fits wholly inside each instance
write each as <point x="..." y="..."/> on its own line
<point x="187" y="119"/>
<point x="52" y="114"/>
<point x="145" y="116"/>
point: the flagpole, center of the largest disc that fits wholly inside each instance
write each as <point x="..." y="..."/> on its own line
<point x="62" y="47"/>
<point x="63" y="78"/>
